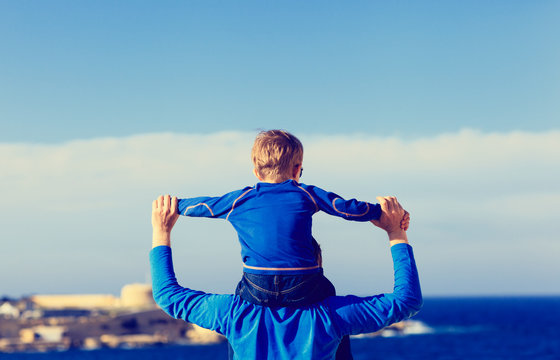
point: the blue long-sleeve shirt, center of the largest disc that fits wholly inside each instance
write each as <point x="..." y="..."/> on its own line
<point x="312" y="332"/>
<point x="273" y="222"/>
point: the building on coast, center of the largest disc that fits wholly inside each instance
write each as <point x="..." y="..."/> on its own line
<point x="132" y="296"/>
<point x="59" y="322"/>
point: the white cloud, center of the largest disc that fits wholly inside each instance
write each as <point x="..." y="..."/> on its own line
<point x="501" y="186"/>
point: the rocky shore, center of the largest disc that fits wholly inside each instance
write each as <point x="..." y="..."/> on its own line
<point x="62" y="322"/>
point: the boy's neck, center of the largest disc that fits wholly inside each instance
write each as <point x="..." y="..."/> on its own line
<point x="295" y="176"/>
<point x="270" y="181"/>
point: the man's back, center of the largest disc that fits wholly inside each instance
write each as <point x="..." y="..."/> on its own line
<point x="312" y="332"/>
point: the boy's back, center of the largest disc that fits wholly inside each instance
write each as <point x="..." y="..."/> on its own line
<point x="274" y="220"/>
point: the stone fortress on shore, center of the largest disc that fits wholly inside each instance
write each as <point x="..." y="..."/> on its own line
<point x="91" y="321"/>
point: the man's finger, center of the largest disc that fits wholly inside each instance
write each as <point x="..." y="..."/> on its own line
<point x="174" y="204"/>
<point x="396" y="204"/>
<point x="390" y="204"/>
<point x="166" y="202"/>
<point x="383" y="203"/>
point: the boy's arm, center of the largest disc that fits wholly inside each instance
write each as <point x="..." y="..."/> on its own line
<point x="351" y="209"/>
<point x="206" y="206"/>
<point x="333" y="204"/>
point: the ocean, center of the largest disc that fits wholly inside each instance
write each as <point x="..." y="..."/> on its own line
<point x="446" y="328"/>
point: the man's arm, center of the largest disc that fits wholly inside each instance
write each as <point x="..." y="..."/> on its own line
<point x="175" y="300"/>
<point x="357" y="315"/>
<point x="164" y="217"/>
<point x="206" y="310"/>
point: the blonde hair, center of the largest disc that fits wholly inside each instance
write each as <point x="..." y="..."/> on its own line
<point x="275" y="154"/>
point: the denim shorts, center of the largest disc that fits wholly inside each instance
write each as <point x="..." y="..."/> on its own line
<point x="284" y="290"/>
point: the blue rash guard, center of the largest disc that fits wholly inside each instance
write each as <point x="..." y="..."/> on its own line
<point x="312" y="332"/>
<point x="273" y="222"/>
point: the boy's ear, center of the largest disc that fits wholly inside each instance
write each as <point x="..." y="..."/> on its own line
<point x="297" y="171"/>
<point x="257" y="174"/>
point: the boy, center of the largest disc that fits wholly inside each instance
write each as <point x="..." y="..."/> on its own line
<point x="273" y="221"/>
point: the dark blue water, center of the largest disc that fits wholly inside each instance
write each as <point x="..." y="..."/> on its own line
<point x="451" y="328"/>
<point x="476" y="328"/>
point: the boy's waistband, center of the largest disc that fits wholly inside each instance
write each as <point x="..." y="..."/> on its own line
<point x="280" y="271"/>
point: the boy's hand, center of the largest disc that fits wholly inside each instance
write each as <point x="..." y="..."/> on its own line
<point x="393" y="217"/>
<point x="405" y="222"/>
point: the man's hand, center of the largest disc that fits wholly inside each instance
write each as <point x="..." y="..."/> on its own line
<point x="392" y="218"/>
<point x="164" y="217"/>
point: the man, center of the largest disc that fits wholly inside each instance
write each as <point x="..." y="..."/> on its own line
<point x="311" y="332"/>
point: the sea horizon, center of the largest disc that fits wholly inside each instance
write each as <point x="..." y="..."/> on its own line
<point x="447" y="327"/>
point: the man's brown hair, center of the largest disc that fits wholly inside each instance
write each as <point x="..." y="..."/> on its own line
<point x="275" y="154"/>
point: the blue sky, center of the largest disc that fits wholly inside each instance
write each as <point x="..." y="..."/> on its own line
<point x="448" y="105"/>
<point x="77" y="69"/>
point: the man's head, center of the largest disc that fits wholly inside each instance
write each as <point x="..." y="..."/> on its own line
<point x="277" y="156"/>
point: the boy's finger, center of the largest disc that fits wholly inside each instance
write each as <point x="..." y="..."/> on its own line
<point x="406" y="217"/>
<point x="405" y="220"/>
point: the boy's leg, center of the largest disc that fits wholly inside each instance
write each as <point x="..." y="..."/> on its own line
<point x="258" y="289"/>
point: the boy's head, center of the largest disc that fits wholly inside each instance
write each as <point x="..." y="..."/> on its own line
<point x="277" y="156"/>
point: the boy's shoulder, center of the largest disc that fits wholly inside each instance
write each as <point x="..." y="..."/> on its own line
<point x="310" y="187"/>
<point x="241" y="192"/>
